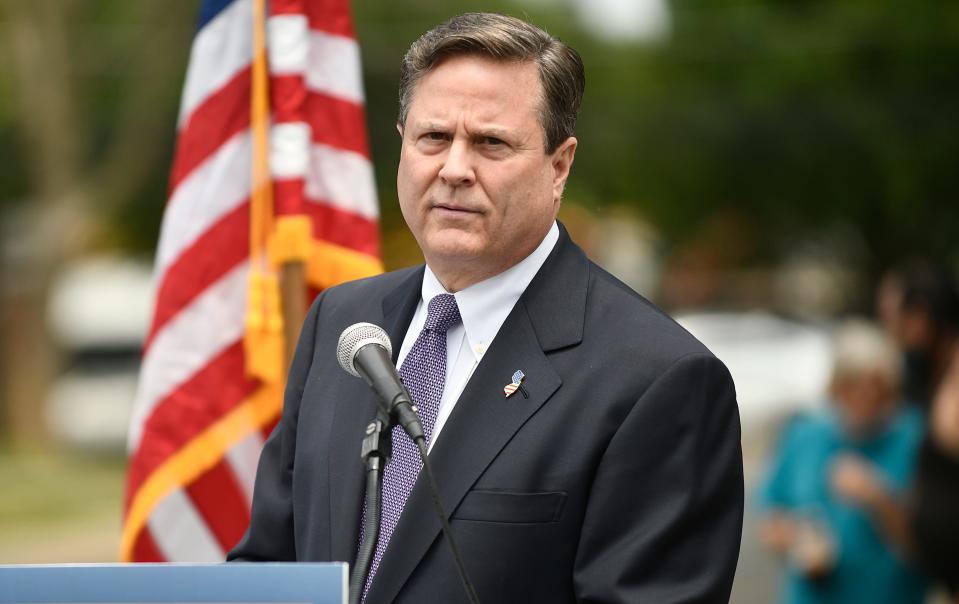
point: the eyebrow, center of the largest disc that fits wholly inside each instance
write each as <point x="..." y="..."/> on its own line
<point x="429" y="126"/>
<point x="491" y="132"/>
<point x="482" y="131"/>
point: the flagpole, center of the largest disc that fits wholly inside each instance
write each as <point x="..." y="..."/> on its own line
<point x="293" y="301"/>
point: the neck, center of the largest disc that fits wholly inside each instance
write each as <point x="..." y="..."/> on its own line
<point x="456" y="277"/>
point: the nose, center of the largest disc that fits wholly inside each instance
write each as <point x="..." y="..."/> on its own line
<point x="457" y="168"/>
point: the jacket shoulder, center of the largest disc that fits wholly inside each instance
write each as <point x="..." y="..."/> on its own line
<point x="641" y="328"/>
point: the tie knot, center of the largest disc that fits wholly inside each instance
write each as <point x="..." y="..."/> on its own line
<point x="442" y="313"/>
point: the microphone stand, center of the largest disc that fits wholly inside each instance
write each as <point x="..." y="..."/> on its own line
<point x="376" y="452"/>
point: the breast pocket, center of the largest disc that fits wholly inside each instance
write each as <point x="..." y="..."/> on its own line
<point x="511" y="506"/>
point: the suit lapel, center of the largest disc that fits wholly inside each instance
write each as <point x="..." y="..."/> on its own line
<point x="484" y="420"/>
<point x="399" y="306"/>
<point x="355" y="408"/>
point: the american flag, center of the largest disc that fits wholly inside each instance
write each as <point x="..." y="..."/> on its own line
<point x="516" y="384"/>
<point x="272" y="164"/>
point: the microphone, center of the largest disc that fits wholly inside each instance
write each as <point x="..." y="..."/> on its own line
<point x="364" y="351"/>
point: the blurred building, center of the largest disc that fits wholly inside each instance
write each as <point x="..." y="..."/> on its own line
<point x="98" y="313"/>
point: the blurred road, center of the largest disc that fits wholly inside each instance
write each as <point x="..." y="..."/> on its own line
<point x="758" y="574"/>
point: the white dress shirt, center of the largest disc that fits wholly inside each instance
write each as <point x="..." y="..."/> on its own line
<point x="484" y="307"/>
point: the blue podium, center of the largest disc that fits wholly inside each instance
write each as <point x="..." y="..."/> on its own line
<point x="261" y="583"/>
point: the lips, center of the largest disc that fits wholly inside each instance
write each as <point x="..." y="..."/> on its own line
<point x="454" y="208"/>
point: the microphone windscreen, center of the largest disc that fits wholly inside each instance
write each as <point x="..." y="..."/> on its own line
<point x="357" y="336"/>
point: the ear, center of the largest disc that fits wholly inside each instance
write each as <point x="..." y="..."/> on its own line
<point x="399" y="128"/>
<point x="562" y="161"/>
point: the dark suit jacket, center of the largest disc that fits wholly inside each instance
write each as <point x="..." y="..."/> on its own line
<point x="618" y="480"/>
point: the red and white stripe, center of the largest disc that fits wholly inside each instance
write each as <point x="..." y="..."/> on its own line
<point x="193" y="363"/>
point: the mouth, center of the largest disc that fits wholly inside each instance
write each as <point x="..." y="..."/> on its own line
<point x="453" y="209"/>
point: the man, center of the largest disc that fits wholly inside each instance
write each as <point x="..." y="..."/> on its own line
<point x="613" y="473"/>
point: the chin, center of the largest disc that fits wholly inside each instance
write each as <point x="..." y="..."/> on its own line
<point x="453" y="245"/>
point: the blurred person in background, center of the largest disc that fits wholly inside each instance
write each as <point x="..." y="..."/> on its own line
<point x="833" y="500"/>
<point x="918" y="305"/>
<point x="935" y="510"/>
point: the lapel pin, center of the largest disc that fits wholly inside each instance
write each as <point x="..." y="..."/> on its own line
<point x="516" y="384"/>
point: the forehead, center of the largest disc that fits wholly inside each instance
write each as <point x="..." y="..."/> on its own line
<point x="486" y="88"/>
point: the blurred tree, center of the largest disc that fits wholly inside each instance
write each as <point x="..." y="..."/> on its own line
<point x="90" y="94"/>
<point x="792" y="117"/>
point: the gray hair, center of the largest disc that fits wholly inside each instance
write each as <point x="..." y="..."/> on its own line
<point x="861" y="347"/>
<point x="503" y="38"/>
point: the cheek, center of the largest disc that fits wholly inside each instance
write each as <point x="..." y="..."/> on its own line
<point x="525" y="193"/>
<point x="406" y="193"/>
<point x="411" y="182"/>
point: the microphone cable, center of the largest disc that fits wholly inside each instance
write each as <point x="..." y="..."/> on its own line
<point x="435" y="493"/>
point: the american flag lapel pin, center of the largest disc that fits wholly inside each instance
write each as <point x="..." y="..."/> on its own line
<point x="516" y="384"/>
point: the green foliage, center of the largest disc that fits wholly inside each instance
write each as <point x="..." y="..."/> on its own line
<point x="800" y="115"/>
<point x="14" y="185"/>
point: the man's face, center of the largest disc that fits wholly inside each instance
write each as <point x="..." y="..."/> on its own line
<point x="475" y="184"/>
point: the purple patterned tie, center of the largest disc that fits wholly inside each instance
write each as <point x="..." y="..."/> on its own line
<point x="424" y="374"/>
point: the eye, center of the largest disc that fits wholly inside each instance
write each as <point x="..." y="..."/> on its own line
<point x="436" y="136"/>
<point x="492" y="141"/>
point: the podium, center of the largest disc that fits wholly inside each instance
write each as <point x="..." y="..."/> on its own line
<point x="235" y="583"/>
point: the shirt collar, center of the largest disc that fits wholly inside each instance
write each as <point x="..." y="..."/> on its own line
<point x="484" y="306"/>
